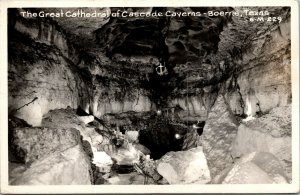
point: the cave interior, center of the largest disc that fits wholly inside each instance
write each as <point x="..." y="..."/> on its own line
<point x="148" y="100"/>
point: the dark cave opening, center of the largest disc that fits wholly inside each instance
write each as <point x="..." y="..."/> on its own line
<point x="81" y="112"/>
<point x="161" y="137"/>
<point x="199" y="126"/>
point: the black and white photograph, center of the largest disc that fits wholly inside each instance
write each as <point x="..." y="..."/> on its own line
<point x="162" y="96"/>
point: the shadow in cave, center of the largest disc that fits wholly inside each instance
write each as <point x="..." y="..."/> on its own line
<point x="199" y="126"/>
<point x="161" y="137"/>
<point x="81" y="112"/>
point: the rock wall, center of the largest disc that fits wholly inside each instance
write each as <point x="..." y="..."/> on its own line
<point x="50" y="156"/>
<point x="196" y="105"/>
<point x="43" y="75"/>
<point x="40" y="78"/>
<point x="269" y="133"/>
<point x="115" y="100"/>
<point x="263" y="80"/>
<point x="218" y="134"/>
<point x="69" y="167"/>
<point x="260" y="87"/>
<point x="43" y="31"/>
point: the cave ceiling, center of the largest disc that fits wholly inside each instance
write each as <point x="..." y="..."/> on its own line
<point x="177" y="40"/>
<point x="197" y="51"/>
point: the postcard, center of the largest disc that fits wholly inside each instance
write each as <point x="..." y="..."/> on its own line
<point x="149" y="97"/>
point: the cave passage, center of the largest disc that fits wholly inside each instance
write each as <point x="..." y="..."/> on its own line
<point x="161" y="137"/>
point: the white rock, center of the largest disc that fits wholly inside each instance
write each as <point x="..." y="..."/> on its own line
<point x="86" y="119"/>
<point x="254" y="168"/>
<point x="126" y="155"/>
<point x="71" y="166"/>
<point x="132" y="136"/>
<point x="102" y="161"/>
<point x="184" y="167"/>
<point x="268" y="133"/>
<point x="101" y="158"/>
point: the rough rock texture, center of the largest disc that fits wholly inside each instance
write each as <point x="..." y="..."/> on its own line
<point x="254" y="168"/>
<point x="218" y="134"/>
<point x="132" y="136"/>
<point x="36" y="143"/>
<point x="118" y="101"/>
<point x="83" y="29"/>
<point x="68" y="167"/>
<point x="184" y="167"/>
<point x="269" y="63"/>
<point x="48" y="155"/>
<point x="269" y="133"/>
<point x="67" y="118"/>
<point x="200" y="51"/>
<point x="191" y="140"/>
<point x="54" y="73"/>
<point x="193" y="107"/>
<point x="43" y="31"/>
<point x="125" y="155"/>
<point x="124" y="37"/>
<point x="41" y="79"/>
<point x="271" y="81"/>
<point x="191" y="39"/>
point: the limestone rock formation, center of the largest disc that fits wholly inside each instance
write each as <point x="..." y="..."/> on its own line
<point x="68" y="167"/>
<point x="191" y="39"/>
<point x="184" y="167"/>
<point x="35" y="143"/>
<point x="218" y="135"/>
<point x="269" y="133"/>
<point x="87" y="119"/>
<point x="49" y="156"/>
<point x="254" y="168"/>
<point x="47" y="79"/>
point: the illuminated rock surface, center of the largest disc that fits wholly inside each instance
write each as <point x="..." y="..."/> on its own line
<point x="184" y="167"/>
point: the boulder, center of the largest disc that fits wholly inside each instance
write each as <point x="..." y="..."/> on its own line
<point x="191" y="140"/>
<point x="32" y="143"/>
<point x="127" y="154"/>
<point x="68" y="167"/>
<point x="67" y="119"/>
<point x="218" y="134"/>
<point x="102" y="161"/>
<point x="132" y="136"/>
<point x="269" y="133"/>
<point x="184" y="167"/>
<point x="142" y="148"/>
<point x="254" y="168"/>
